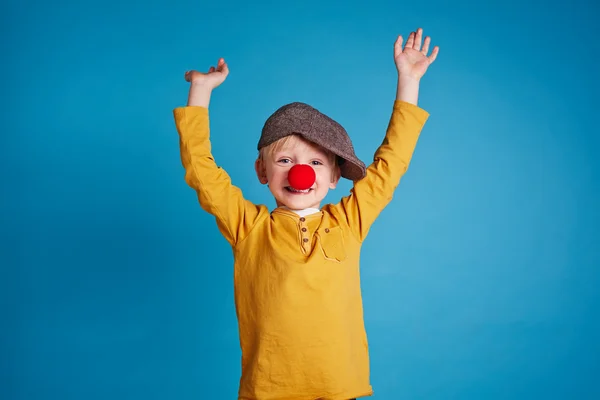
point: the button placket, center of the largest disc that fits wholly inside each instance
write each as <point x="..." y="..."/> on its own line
<point x="304" y="235"/>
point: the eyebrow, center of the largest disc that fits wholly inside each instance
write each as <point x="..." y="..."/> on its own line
<point x="317" y="155"/>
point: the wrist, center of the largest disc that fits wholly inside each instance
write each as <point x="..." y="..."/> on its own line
<point x="199" y="94"/>
<point x="408" y="80"/>
<point x="201" y="84"/>
<point x="201" y="87"/>
<point x="408" y="89"/>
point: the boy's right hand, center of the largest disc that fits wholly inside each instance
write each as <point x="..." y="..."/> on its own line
<point x="211" y="79"/>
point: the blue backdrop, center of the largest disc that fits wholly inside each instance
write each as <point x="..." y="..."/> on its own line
<point x="480" y="279"/>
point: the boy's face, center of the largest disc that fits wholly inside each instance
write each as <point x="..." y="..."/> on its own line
<point x="273" y="170"/>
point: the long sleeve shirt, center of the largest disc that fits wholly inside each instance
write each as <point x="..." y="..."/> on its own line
<point x="296" y="279"/>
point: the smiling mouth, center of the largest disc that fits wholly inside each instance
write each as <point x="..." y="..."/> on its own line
<point x="292" y="190"/>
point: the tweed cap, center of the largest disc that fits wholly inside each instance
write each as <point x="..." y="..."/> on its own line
<point x="314" y="126"/>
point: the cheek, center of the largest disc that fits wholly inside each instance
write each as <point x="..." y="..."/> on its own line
<point x="324" y="177"/>
<point x="277" y="174"/>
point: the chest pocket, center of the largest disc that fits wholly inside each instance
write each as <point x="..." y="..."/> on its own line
<point x="331" y="243"/>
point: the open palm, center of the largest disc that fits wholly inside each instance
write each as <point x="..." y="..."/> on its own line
<point x="412" y="61"/>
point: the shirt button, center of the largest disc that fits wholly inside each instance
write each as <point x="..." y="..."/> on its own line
<point x="302" y="219"/>
<point x="326" y="230"/>
<point x="303" y="229"/>
<point x="305" y="240"/>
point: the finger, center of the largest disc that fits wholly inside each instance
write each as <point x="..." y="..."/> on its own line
<point x="410" y="41"/>
<point x="425" y="48"/>
<point x="418" y="37"/>
<point x="222" y="65"/>
<point x="212" y="69"/>
<point x="398" y="45"/>
<point x="434" y="54"/>
<point x="225" y="68"/>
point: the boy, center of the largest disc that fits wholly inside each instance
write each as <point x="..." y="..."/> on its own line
<point x="296" y="269"/>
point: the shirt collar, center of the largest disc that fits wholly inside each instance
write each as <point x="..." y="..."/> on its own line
<point x="303" y="213"/>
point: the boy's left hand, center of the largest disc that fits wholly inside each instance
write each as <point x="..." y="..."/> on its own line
<point x="412" y="62"/>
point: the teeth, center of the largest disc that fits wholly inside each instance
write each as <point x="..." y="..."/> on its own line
<point x="298" y="191"/>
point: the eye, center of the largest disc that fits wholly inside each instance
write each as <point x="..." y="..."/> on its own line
<point x="285" y="161"/>
<point x="315" y="162"/>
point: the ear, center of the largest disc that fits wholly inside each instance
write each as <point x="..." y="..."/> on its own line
<point x="261" y="171"/>
<point x="336" y="174"/>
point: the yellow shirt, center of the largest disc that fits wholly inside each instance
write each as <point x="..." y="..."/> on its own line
<point x="297" y="281"/>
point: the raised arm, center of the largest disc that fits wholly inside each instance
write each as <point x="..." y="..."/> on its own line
<point x="370" y="195"/>
<point x="235" y="216"/>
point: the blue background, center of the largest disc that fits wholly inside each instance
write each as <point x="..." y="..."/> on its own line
<point x="480" y="278"/>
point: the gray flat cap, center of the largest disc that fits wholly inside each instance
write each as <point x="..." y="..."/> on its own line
<point x="310" y="123"/>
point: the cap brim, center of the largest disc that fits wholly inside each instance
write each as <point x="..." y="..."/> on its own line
<point x="352" y="167"/>
<point x="353" y="170"/>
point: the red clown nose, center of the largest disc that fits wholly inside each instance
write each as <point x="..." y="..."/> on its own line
<point x="301" y="176"/>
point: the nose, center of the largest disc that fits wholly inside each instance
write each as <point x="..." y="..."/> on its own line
<point x="301" y="176"/>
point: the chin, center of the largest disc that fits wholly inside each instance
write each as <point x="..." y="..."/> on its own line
<point x="299" y="203"/>
<point x="301" y="206"/>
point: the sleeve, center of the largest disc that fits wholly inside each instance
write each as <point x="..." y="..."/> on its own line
<point x="235" y="215"/>
<point x="370" y="195"/>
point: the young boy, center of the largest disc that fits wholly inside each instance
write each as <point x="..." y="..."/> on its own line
<point x="296" y="269"/>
